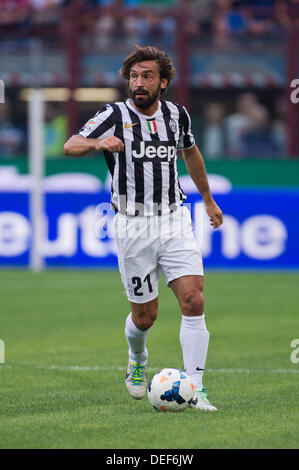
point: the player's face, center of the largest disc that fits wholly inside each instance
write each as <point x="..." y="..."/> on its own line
<point x="145" y="84"/>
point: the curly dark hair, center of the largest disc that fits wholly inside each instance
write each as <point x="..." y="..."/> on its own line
<point x="142" y="54"/>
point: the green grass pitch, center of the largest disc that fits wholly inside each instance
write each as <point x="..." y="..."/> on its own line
<point x="62" y="384"/>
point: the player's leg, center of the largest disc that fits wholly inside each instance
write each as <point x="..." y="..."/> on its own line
<point x="138" y="324"/>
<point x="137" y="260"/>
<point x="194" y="336"/>
<point x="181" y="262"/>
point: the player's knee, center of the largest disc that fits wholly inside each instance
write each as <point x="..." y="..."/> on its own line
<point x="193" y="303"/>
<point x="145" y="318"/>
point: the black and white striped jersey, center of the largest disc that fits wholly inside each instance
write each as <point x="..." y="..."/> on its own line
<point x="144" y="175"/>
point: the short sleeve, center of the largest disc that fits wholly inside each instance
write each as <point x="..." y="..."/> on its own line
<point x="186" y="138"/>
<point x="101" y="125"/>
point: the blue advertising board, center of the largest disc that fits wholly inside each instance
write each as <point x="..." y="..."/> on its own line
<point x="259" y="229"/>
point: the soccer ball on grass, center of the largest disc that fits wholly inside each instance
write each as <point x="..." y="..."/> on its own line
<point x="170" y="390"/>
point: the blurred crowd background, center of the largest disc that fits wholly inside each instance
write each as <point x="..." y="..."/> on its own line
<point x="142" y="17"/>
<point x="233" y="60"/>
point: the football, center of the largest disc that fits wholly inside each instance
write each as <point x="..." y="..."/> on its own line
<point x="170" y="390"/>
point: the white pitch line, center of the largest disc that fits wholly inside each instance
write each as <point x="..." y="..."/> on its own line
<point x="122" y="368"/>
<point x="253" y="371"/>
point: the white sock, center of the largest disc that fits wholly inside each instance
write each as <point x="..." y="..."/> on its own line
<point x="194" y="339"/>
<point x="136" y="340"/>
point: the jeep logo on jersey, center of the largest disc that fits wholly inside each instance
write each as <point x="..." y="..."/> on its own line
<point x="153" y="151"/>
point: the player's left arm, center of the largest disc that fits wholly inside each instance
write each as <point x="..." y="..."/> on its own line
<point x="196" y="169"/>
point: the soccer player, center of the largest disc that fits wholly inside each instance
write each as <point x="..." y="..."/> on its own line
<point x="140" y="138"/>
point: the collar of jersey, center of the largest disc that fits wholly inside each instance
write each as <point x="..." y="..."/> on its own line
<point x="144" y="115"/>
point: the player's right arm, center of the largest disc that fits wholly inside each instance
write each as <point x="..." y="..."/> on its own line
<point x="78" y="146"/>
<point x="96" y="135"/>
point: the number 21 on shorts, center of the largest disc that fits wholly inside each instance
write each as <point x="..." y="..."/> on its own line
<point x="137" y="282"/>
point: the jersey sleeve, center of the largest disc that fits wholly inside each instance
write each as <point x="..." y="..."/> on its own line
<point x="186" y="138"/>
<point x="102" y="125"/>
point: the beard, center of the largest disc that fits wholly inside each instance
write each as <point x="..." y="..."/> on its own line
<point x="145" y="101"/>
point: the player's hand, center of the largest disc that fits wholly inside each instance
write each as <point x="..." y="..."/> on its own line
<point x="215" y="214"/>
<point x="111" y="144"/>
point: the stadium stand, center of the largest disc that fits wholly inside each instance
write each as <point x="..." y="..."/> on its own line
<point x="224" y="50"/>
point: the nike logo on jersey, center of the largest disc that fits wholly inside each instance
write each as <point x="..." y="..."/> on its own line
<point x="153" y="151"/>
<point x="131" y="125"/>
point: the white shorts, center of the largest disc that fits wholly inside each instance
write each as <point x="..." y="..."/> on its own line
<point x="148" y="245"/>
